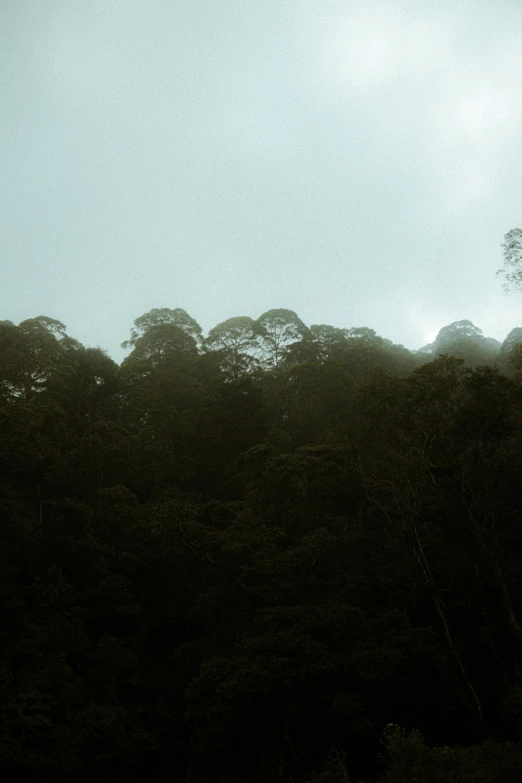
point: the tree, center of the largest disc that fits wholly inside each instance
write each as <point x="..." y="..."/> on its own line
<point x="161" y="399"/>
<point x="237" y="341"/>
<point x="161" y="316"/>
<point x="31" y="357"/>
<point x="465" y="341"/>
<point x="512" y="269"/>
<point x="398" y="474"/>
<point x="334" y="769"/>
<point x="330" y="339"/>
<point x="464" y="329"/>
<point x="507" y="358"/>
<point x="314" y="400"/>
<point x="410" y="759"/>
<point x="321" y="342"/>
<point x="278" y="330"/>
<point x="43" y="324"/>
<point x="160" y="342"/>
<point x="365" y="334"/>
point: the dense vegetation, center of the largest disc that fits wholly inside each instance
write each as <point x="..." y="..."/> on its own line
<point x="260" y="554"/>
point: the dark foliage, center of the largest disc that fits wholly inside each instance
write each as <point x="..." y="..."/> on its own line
<point x="251" y="556"/>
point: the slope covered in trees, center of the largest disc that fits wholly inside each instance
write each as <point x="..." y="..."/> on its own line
<point x="254" y="555"/>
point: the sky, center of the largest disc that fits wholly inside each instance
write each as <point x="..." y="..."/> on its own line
<point x="357" y="162"/>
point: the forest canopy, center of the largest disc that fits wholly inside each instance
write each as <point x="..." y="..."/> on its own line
<point x="260" y="553"/>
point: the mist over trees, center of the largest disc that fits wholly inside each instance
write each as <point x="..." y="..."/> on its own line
<point x="275" y="552"/>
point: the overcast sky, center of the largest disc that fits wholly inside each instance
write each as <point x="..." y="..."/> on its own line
<point x="357" y="162"/>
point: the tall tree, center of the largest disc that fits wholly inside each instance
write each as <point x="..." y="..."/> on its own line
<point x="237" y="342"/>
<point x="278" y="330"/>
<point x="508" y="358"/>
<point x="161" y="316"/>
<point x="161" y="341"/>
<point x="398" y="474"/>
<point x="31" y="357"/>
<point x="512" y="269"/>
<point x="465" y="341"/>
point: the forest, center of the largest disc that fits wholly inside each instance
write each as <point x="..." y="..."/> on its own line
<point x="271" y="553"/>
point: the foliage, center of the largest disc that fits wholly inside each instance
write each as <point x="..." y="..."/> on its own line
<point x="163" y="316"/>
<point x="465" y="341"/>
<point x="411" y="761"/>
<point x="277" y="331"/>
<point x="240" y="557"/>
<point x="237" y="342"/>
<point x="512" y="269"/>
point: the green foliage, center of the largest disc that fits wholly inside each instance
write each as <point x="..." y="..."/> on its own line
<point x="237" y="343"/>
<point x="163" y="316"/>
<point x="278" y="330"/>
<point x="334" y="769"/>
<point x="411" y="761"/>
<point x="508" y="359"/>
<point x="465" y="341"/>
<point x="240" y="558"/>
<point x="32" y="360"/>
<point x="512" y="269"/>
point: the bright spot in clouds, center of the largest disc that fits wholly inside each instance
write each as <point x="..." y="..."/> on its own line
<point x="358" y="58"/>
<point x="419" y="85"/>
<point x="487" y="109"/>
<point x="475" y="113"/>
<point x="374" y="46"/>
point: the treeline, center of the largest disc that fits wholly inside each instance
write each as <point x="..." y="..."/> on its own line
<point x="259" y="554"/>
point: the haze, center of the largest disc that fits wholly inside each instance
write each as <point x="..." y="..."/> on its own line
<point x="356" y="162"/>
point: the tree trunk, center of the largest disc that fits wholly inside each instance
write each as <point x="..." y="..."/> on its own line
<point x="423" y="562"/>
